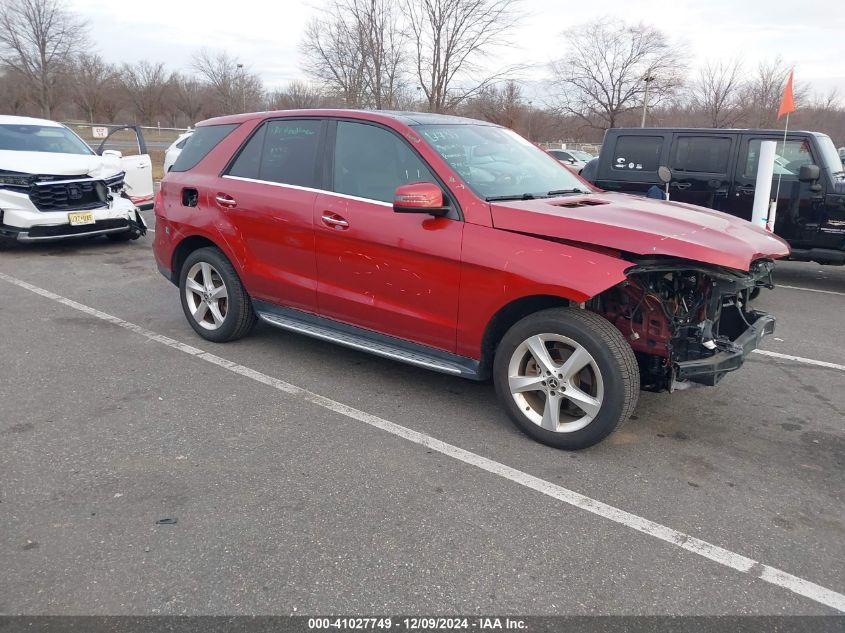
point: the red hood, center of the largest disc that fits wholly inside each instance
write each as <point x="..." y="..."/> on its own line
<point x="644" y="227"/>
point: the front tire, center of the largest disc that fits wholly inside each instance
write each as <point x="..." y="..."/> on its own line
<point x="213" y="298"/>
<point x="566" y="377"/>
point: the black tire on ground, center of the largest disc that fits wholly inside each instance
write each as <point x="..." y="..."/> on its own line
<point x="240" y="317"/>
<point x="755" y="292"/>
<point x="612" y="354"/>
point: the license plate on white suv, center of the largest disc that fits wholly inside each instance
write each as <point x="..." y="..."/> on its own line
<point x="80" y="218"/>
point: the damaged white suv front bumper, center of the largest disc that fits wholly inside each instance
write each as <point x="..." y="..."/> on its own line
<point x="55" y="208"/>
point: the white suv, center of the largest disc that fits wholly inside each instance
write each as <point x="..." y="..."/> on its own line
<point x="53" y="186"/>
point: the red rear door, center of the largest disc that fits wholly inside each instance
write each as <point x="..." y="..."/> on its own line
<point x="268" y="191"/>
<point x="398" y="274"/>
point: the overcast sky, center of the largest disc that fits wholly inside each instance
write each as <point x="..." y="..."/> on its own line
<point x="265" y="34"/>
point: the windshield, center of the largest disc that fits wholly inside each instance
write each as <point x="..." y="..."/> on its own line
<point x="498" y="163"/>
<point x="41" y="138"/>
<point x="830" y="157"/>
<point x="577" y="153"/>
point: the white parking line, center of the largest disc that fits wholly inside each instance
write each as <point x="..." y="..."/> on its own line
<point x="800" y="359"/>
<point x="826" y="292"/>
<point x="738" y="562"/>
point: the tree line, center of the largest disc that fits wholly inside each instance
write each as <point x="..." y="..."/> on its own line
<point x="429" y="55"/>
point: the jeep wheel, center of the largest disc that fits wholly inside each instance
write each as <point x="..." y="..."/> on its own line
<point x="214" y="301"/>
<point x="567" y="377"/>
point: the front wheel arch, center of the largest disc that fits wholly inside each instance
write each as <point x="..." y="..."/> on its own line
<point x="505" y="317"/>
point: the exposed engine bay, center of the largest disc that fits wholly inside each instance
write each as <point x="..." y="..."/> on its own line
<point x="686" y="322"/>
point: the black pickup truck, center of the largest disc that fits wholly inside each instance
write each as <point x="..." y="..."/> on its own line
<point x="718" y="169"/>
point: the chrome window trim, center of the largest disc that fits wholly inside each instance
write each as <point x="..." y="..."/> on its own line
<point x="312" y="189"/>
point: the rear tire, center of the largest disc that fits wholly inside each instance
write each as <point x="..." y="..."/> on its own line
<point x="213" y="298"/>
<point x="566" y="377"/>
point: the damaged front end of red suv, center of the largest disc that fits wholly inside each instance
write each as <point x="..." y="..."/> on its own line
<point x="687" y="323"/>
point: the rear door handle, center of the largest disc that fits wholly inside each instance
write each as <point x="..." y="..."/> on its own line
<point x="682" y="185"/>
<point x="747" y="189"/>
<point x="226" y="201"/>
<point x="334" y="221"/>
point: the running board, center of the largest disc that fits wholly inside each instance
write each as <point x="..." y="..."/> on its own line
<point x="367" y="341"/>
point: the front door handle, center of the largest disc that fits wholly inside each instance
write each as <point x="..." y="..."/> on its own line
<point x="226" y="201"/>
<point x="334" y="221"/>
<point x="681" y="185"/>
<point x="746" y="189"/>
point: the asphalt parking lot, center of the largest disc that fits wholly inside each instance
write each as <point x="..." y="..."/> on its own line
<point x="292" y="495"/>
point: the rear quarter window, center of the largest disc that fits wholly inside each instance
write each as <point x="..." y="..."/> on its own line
<point x="200" y="143"/>
<point x="637" y="153"/>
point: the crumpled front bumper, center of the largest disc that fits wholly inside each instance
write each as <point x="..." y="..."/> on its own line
<point x="710" y="370"/>
<point x="25" y="226"/>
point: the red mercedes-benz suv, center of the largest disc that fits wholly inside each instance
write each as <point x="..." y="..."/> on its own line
<point x="458" y="246"/>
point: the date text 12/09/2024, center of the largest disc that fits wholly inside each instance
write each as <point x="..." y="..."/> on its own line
<point x="417" y="623"/>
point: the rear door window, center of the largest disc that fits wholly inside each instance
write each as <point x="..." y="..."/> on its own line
<point x="637" y="153"/>
<point x="289" y="154"/>
<point x="200" y="144"/>
<point x="701" y="154"/>
<point x="282" y="151"/>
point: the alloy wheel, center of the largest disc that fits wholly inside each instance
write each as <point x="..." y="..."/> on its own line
<point x="207" y="296"/>
<point x="555" y="382"/>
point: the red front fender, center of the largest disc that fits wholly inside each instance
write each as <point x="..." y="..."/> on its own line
<point x="499" y="267"/>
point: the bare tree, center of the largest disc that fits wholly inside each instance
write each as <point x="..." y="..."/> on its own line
<point x="826" y="102"/>
<point x="449" y="39"/>
<point x="333" y="56"/>
<point x="14" y="96"/>
<point x="145" y="84"/>
<point x="717" y="91"/>
<point x="502" y="105"/>
<point x="297" y="95"/>
<point x="189" y="96"/>
<point x="604" y="74"/>
<point x="382" y="40"/>
<point x="358" y="49"/>
<point x="234" y="88"/>
<point x="37" y="39"/>
<point x="94" y="83"/>
<point x="763" y="93"/>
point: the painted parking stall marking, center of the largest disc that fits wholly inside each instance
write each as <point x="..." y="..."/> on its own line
<point x="722" y="556"/>
<point x="800" y="359"/>
<point x="826" y="292"/>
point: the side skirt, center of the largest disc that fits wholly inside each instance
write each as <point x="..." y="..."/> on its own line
<point x="367" y="340"/>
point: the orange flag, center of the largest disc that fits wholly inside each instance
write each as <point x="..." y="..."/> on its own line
<point x="787" y="103"/>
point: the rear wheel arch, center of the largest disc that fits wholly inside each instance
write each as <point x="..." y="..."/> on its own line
<point x="184" y="249"/>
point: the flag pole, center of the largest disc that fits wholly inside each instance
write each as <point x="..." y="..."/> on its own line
<point x="782" y="150"/>
<point x="787" y="105"/>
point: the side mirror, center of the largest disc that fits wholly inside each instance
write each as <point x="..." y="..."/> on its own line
<point x="809" y="173"/>
<point x="419" y="197"/>
<point x="665" y="174"/>
<point x="112" y="152"/>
